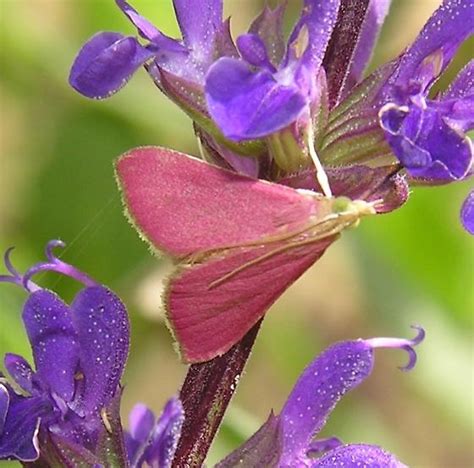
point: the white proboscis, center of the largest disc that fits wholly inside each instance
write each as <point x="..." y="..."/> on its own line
<point x="321" y="175"/>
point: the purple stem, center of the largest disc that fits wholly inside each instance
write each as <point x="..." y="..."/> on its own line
<point x="205" y="394"/>
<point x="337" y="59"/>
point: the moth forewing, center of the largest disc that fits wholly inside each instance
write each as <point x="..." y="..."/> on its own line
<point x="325" y="212"/>
<point x="329" y="226"/>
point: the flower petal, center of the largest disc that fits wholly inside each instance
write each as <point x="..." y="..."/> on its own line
<point x="139" y="437"/>
<point x="463" y="85"/>
<point x="48" y="322"/>
<point x="190" y="97"/>
<point x="458" y="113"/>
<point x="154" y="441"/>
<point x="4" y="404"/>
<point x="166" y="434"/>
<point x="253" y="50"/>
<point x="355" y="456"/>
<point x="224" y="46"/>
<point x="147" y="30"/>
<point x="20" y="371"/>
<point x="205" y="36"/>
<point x="103" y="334"/>
<point x="447" y="28"/>
<point x="199" y="20"/>
<point x="142" y="421"/>
<point x="19" y="438"/>
<point x="467" y="213"/>
<point x="248" y="105"/>
<point x="319" y="446"/>
<point x="319" y="18"/>
<point x="105" y="64"/>
<point x="262" y="449"/>
<point x="426" y="143"/>
<point x="269" y="27"/>
<point x="324" y="382"/>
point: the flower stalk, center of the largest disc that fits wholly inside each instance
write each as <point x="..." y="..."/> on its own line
<point x="205" y="395"/>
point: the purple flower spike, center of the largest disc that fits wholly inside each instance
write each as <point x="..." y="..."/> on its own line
<point x="152" y="440"/>
<point x="339" y="369"/>
<point x="429" y="135"/>
<point x="53" y="264"/>
<point x="463" y="85"/>
<point x="79" y="353"/>
<point x="262" y="449"/>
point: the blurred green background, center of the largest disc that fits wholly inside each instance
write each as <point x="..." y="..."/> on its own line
<point x="412" y="266"/>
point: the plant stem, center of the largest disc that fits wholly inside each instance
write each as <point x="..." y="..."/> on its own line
<point x="205" y="394"/>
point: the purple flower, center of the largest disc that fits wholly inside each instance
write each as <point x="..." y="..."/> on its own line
<point x="429" y="134"/>
<point x="264" y="91"/>
<point x="154" y="440"/>
<point x="274" y="109"/>
<point x="79" y="353"/>
<point x="287" y="439"/>
<point x="109" y="59"/>
<point x="283" y="92"/>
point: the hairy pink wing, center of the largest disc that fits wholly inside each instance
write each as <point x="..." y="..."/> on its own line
<point x="207" y="321"/>
<point x="183" y="205"/>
